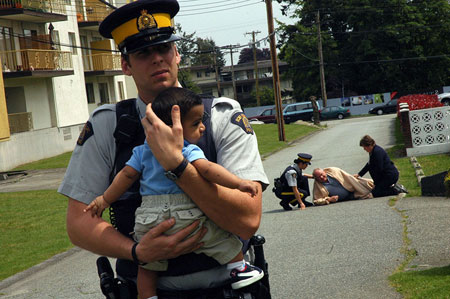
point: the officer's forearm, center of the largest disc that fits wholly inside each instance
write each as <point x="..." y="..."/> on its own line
<point x="94" y="234"/>
<point x="221" y="204"/>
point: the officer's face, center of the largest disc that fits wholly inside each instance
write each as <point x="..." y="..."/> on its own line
<point x="193" y="127"/>
<point x="302" y="165"/>
<point x="153" y="69"/>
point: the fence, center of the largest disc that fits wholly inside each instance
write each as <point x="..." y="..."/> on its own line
<point x="35" y="59"/>
<point x="427" y="131"/>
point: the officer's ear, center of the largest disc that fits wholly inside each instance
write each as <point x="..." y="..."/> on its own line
<point x="177" y="55"/>
<point x="125" y="64"/>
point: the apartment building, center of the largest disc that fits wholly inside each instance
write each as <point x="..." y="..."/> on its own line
<point x="56" y="69"/>
<point x="210" y="82"/>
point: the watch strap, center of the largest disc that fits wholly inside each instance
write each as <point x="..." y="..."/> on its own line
<point x="134" y="255"/>
<point x="178" y="171"/>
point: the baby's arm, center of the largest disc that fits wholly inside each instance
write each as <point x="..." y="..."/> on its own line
<point x="122" y="181"/>
<point x="217" y="174"/>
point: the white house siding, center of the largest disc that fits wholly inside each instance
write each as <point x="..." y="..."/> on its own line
<point x="70" y="93"/>
<point x="35" y="145"/>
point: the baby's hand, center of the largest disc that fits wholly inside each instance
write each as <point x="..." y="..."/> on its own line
<point x="97" y="206"/>
<point x="249" y="186"/>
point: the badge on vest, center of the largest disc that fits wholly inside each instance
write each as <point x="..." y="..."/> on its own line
<point x="85" y="133"/>
<point x="241" y="120"/>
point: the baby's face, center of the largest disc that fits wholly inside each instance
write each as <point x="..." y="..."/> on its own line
<point x="193" y="127"/>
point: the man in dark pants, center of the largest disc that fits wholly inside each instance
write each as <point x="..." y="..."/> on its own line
<point x="294" y="184"/>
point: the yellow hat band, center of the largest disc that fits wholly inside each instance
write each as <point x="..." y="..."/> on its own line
<point x="143" y="22"/>
<point x="304" y="160"/>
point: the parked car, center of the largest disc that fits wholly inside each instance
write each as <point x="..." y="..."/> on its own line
<point x="267" y="116"/>
<point x="338" y="112"/>
<point x="444" y="98"/>
<point x="299" y="111"/>
<point x="389" y="107"/>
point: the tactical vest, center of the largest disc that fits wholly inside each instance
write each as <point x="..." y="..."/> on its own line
<point x="285" y="185"/>
<point x="128" y="134"/>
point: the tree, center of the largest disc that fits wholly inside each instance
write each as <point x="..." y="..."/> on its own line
<point x="246" y="55"/>
<point x="185" y="46"/>
<point x="205" y="53"/>
<point x="266" y="96"/>
<point x="368" y="46"/>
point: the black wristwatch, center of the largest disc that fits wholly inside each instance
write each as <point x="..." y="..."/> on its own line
<point x="134" y="255"/>
<point x="173" y="175"/>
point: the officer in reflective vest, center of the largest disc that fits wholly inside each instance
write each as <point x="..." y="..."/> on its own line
<point x="294" y="184"/>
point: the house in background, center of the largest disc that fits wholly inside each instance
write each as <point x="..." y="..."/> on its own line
<point x="244" y="77"/>
<point x="56" y="69"/>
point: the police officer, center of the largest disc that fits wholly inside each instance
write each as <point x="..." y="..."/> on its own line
<point x="294" y="184"/>
<point x="145" y="37"/>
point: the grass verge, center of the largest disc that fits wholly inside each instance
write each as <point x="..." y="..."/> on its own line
<point x="431" y="283"/>
<point x="32" y="229"/>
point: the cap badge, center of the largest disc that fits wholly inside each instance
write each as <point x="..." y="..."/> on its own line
<point x="146" y="21"/>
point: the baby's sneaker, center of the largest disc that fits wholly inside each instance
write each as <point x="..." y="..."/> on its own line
<point x="245" y="277"/>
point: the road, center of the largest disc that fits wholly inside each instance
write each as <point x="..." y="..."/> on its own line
<point x="344" y="250"/>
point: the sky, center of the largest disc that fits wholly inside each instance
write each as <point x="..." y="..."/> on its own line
<point x="227" y="22"/>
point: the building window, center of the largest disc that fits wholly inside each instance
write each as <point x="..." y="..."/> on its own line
<point x="207" y="74"/>
<point x="121" y="91"/>
<point x="90" y="93"/>
<point x="104" y="94"/>
<point x="199" y="74"/>
<point x="73" y="43"/>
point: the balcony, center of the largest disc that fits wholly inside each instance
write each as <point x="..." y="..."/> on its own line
<point x="36" y="63"/>
<point x="35" y="11"/>
<point x="20" y="122"/>
<point x="91" y="13"/>
<point x="106" y="64"/>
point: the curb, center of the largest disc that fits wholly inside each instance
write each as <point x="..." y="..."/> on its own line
<point x="26" y="273"/>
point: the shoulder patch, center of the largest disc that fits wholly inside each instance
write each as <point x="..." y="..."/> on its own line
<point x="241" y="120"/>
<point x="85" y="133"/>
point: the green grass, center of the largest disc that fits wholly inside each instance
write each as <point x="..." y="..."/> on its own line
<point x="32" y="229"/>
<point x="60" y="161"/>
<point x="432" y="283"/>
<point x="268" y="136"/>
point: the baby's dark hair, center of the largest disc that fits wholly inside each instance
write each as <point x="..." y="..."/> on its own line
<point x="186" y="99"/>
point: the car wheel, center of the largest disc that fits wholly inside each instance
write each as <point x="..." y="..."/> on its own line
<point x="446" y="102"/>
<point x="340" y="116"/>
<point x="380" y="112"/>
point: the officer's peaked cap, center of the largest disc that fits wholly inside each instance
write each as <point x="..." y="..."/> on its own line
<point x="305" y="158"/>
<point x="141" y="24"/>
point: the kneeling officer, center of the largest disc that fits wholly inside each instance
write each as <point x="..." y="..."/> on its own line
<point x="294" y="186"/>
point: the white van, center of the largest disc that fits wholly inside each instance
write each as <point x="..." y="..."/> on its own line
<point x="299" y="111"/>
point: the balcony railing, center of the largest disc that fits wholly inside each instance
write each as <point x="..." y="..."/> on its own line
<point x="49" y="6"/>
<point x="102" y="62"/>
<point x="36" y="59"/>
<point x="93" y="11"/>
<point x="20" y="122"/>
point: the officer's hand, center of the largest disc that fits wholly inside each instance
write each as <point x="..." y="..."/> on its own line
<point x="166" y="142"/>
<point x="155" y="246"/>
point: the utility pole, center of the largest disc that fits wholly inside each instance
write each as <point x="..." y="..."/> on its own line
<point x="255" y="62"/>
<point x="217" y="74"/>
<point x="322" y="72"/>
<point x="232" y="72"/>
<point x="275" y="72"/>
